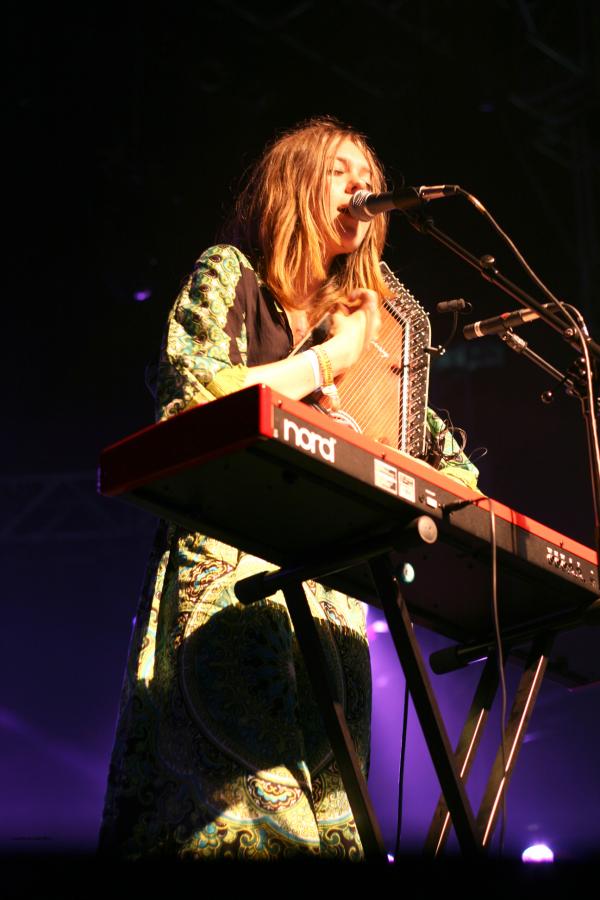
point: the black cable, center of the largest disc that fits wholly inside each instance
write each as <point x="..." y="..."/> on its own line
<point x="500" y="663"/>
<point x="401" y="770"/>
<point x="436" y="443"/>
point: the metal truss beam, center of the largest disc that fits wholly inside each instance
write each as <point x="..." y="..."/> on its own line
<point x="64" y="507"/>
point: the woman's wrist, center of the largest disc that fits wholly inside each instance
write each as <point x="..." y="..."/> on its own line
<point x="338" y="352"/>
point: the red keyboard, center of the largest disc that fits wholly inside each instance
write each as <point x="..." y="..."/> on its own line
<point x="282" y="481"/>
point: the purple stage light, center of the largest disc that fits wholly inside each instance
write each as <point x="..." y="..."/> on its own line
<point x="537" y="853"/>
<point x="379" y="626"/>
<point x="140" y="296"/>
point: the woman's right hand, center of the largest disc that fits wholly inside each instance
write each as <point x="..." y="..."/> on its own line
<point x="353" y="328"/>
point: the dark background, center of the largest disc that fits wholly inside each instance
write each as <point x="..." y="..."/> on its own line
<point x="129" y="129"/>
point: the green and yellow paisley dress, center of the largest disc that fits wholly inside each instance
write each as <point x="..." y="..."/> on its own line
<point x="220" y="751"/>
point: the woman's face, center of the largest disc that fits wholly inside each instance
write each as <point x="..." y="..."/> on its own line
<point x="348" y="171"/>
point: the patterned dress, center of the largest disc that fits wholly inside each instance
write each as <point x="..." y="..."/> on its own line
<point x="220" y="751"/>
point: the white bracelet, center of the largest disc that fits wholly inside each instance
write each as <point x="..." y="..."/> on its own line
<point x="314" y="362"/>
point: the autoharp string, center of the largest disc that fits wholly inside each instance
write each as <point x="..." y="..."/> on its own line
<point x="375" y="392"/>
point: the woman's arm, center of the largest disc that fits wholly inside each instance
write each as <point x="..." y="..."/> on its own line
<point x="207" y="326"/>
<point x="351" y="333"/>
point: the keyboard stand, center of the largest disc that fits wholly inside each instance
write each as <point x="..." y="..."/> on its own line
<point x="504" y="764"/>
<point x="452" y="768"/>
<point x="289" y="581"/>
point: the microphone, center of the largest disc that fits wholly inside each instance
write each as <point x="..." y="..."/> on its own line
<point x="446" y="306"/>
<point x="499" y="324"/>
<point x="364" y="205"/>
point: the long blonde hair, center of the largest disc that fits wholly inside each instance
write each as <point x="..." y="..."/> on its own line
<point x="282" y="218"/>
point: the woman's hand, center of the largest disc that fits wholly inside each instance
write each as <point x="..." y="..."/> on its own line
<point x="353" y="327"/>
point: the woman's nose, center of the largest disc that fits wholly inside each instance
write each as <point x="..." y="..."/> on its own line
<point x="355" y="183"/>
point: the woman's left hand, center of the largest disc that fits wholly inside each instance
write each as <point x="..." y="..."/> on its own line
<point x="354" y="326"/>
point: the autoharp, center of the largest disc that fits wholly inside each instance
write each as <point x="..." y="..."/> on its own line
<point x="384" y="395"/>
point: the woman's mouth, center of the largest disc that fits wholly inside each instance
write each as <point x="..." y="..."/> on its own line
<point x="346" y="216"/>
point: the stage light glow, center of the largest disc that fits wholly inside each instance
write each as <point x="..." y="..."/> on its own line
<point x="407" y="573"/>
<point x="375" y="628"/>
<point x="537" y="853"/>
<point x="140" y="296"/>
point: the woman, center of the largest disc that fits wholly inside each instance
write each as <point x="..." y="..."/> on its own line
<point x="220" y="750"/>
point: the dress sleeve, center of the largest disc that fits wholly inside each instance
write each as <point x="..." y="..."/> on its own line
<point x="204" y="349"/>
<point x="454" y="462"/>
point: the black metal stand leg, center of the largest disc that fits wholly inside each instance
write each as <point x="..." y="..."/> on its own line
<point x="335" y="723"/>
<point x="464" y="755"/>
<point x="425" y="703"/>
<point x="522" y="708"/>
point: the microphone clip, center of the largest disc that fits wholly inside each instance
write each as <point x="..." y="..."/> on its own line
<point x="458" y="307"/>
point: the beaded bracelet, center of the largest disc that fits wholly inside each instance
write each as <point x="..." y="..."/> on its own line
<point x="316" y="367"/>
<point x="325" y="365"/>
<point x="330" y="399"/>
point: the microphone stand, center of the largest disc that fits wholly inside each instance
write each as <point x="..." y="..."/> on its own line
<point x="486" y="266"/>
